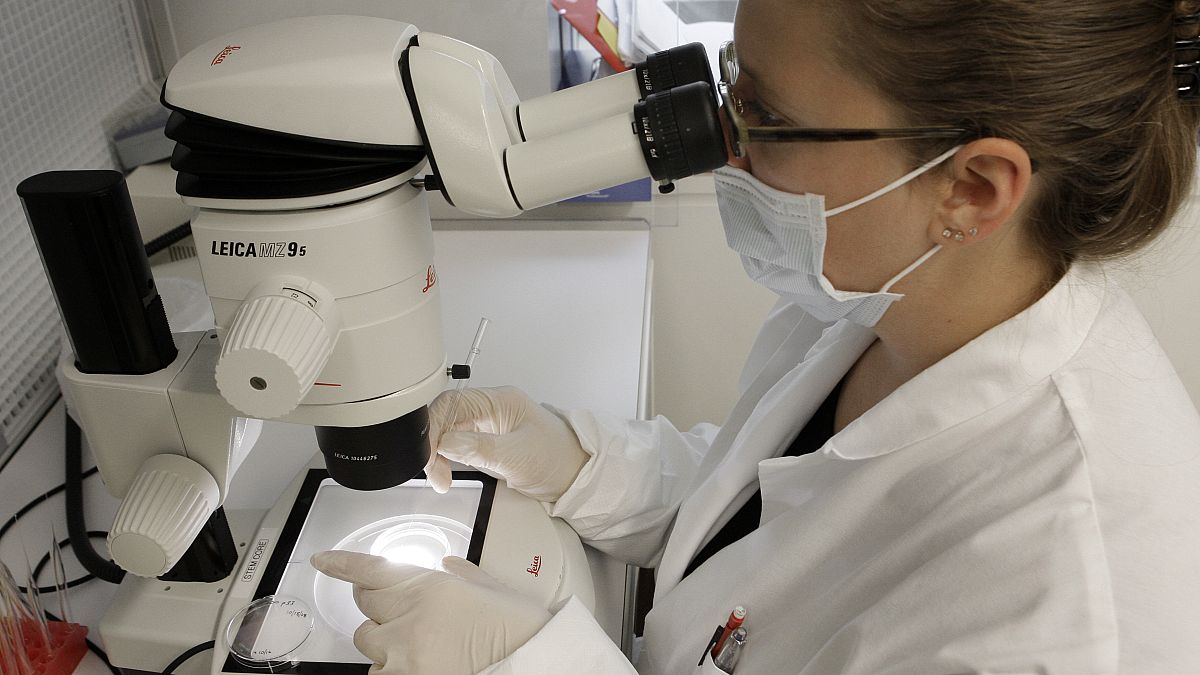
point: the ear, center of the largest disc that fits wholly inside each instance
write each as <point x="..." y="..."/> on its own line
<point x="990" y="180"/>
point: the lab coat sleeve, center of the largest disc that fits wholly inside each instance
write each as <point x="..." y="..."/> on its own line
<point x="625" y="498"/>
<point x="571" y="642"/>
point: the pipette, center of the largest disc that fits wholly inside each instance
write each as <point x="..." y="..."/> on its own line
<point x="16" y="619"/>
<point x="34" y="598"/>
<point x="462" y="384"/>
<point x="12" y="620"/>
<point x="60" y="577"/>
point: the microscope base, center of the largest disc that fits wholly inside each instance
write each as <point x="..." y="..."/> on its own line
<point x="152" y="622"/>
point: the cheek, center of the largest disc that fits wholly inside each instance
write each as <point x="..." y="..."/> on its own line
<point x="868" y="245"/>
<point x="842" y="172"/>
<point x="789" y="167"/>
<point x="849" y="253"/>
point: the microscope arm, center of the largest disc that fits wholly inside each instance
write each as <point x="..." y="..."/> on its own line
<point x="167" y="445"/>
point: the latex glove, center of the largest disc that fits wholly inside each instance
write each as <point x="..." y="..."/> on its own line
<point x="506" y="433"/>
<point x="425" y="621"/>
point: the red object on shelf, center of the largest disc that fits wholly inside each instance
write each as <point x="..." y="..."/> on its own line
<point x="585" y="17"/>
<point x="60" y="657"/>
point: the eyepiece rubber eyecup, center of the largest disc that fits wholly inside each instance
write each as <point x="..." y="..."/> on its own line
<point x="680" y="132"/>
<point x="674" y="67"/>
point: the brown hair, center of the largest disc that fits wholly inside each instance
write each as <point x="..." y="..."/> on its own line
<point x="1085" y="86"/>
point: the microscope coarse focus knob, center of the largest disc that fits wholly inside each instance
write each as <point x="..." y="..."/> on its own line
<point x="275" y="348"/>
<point x="169" y="502"/>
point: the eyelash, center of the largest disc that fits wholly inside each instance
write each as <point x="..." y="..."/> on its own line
<point x="764" y="117"/>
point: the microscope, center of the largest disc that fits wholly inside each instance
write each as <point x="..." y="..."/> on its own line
<point x="308" y="146"/>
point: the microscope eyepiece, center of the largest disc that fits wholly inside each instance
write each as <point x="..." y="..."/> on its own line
<point x="680" y="132"/>
<point x="378" y="456"/>
<point x="672" y="68"/>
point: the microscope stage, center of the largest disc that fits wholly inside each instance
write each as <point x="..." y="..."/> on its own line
<point x="407" y="523"/>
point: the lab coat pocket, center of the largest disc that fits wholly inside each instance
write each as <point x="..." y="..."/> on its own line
<point x="708" y="668"/>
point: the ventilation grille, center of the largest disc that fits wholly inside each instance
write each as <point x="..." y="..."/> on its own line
<point x="183" y="249"/>
<point x="66" y="65"/>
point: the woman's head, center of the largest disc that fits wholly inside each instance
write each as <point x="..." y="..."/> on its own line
<point x="790" y="73"/>
<point x="1084" y="87"/>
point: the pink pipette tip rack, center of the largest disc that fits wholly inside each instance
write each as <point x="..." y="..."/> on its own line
<point x="66" y="649"/>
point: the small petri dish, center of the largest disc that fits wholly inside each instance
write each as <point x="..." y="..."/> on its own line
<point x="433" y="538"/>
<point x="268" y="633"/>
<point x="413" y="543"/>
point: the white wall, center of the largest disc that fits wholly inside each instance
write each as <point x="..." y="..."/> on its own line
<point x="1165" y="282"/>
<point x="706" y="312"/>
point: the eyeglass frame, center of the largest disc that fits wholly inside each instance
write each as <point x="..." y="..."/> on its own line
<point x="744" y="134"/>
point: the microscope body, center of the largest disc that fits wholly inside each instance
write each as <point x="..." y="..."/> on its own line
<point x="299" y="142"/>
<point x="336" y="310"/>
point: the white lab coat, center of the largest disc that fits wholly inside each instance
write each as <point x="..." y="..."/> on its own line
<point x="1026" y="505"/>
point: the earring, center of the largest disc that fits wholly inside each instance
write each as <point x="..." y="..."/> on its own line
<point x="957" y="235"/>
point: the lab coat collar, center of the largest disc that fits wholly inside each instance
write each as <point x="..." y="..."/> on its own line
<point x="991" y="369"/>
<point x="779" y="400"/>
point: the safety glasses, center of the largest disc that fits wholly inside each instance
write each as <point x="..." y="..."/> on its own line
<point x="745" y="133"/>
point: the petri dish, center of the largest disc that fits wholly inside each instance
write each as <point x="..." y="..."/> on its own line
<point x="417" y="539"/>
<point x="268" y="633"/>
<point x="413" y="543"/>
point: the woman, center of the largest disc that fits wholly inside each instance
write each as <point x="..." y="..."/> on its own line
<point x="995" y="473"/>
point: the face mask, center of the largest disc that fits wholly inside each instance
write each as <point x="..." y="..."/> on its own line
<point x="781" y="236"/>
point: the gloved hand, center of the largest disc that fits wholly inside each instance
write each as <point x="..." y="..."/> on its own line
<point x="425" y="621"/>
<point x="505" y="432"/>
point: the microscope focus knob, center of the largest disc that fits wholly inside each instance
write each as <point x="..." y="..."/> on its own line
<point x="166" y="507"/>
<point x="275" y="348"/>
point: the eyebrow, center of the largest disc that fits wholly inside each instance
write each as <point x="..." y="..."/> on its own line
<point x="787" y="119"/>
<point x="758" y="100"/>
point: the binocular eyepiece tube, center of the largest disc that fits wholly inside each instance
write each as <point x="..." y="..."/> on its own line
<point x="659" y="118"/>
<point x="564" y="110"/>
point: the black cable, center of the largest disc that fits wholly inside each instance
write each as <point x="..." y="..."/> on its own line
<point x="12" y="520"/>
<point x="76" y="526"/>
<point x="37" y="569"/>
<point x="91" y="646"/>
<point x="202" y="647"/>
<point x="172" y="236"/>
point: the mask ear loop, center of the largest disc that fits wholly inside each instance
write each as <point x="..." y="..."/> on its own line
<point x="905" y="272"/>
<point x="912" y="175"/>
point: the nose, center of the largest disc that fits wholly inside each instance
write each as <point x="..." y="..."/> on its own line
<point x="733" y="160"/>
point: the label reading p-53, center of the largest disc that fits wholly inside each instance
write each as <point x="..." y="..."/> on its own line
<point x="259" y="249"/>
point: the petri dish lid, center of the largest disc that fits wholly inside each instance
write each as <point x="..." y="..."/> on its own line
<point x="413" y="543"/>
<point x="269" y="632"/>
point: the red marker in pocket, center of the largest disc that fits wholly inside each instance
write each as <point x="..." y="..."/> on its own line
<point x="736" y="617"/>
